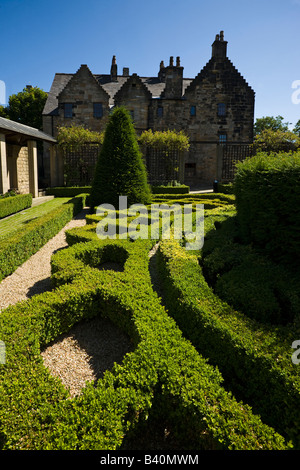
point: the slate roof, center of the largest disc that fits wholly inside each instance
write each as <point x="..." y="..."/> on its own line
<point x="154" y="85"/>
<point x="12" y="128"/>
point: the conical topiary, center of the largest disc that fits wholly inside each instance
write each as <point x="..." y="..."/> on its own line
<point x="120" y="170"/>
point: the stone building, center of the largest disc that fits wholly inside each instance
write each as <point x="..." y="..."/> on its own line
<point x="215" y="109"/>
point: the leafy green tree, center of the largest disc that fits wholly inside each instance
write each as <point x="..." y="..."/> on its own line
<point x="3" y="112"/>
<point x="270" y="140"/>
<point x="296" y="129"/>
<point x="26" y="107"/>
<point x="270" y="122"/>
<point x="120" y="170"/>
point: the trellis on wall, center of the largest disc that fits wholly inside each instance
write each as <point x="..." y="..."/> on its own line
<point x="233" y="153"/>
<point x="164" y="166"/>
<point x="79" y="163"/>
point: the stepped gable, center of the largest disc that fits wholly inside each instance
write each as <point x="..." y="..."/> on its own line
<point x="132" y="83"/>
<point x="219" y="68"/>
<point x="82" y="72"/>
<point x="223" y="70"/>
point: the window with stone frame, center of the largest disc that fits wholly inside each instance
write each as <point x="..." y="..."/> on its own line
<point x="193" y="110"/>
<point x="68" y="110"/>
<point x="222" y="137"/>
<point x="221" y="109"/>
<point x="160" y="111"/>
<point x="98" y="110"/>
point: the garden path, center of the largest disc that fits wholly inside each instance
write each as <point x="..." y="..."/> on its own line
<point x="90" y="347"/>
<point x="33" y="276"/>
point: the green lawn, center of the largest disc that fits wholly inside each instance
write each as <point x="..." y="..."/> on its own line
<point x="17" y="221"/>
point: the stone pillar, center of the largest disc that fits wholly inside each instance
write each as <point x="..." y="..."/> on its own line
<point x="4" y="182"/>
<point x="33" y="168"/>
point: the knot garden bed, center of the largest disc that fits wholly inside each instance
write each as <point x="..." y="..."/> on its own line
<point x="164" y="375"/>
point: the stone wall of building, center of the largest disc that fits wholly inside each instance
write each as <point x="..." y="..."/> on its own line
<point x="214" y="108"/>
<point x="82" y="92"/>
<point x="136" y="98"/>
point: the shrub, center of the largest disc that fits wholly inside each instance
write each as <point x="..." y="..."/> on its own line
<point x="19" y="246"/>
<point x="180" y="189"/>
<point x="268" y="199"/>
<point x="72" y="137"/>
<point x="37" y="413"/>
<point x="248" y="280"/>
<point x="13" y="204"/>
<point x="254" y="359"/>
<point x="120" y="170"/>
<point x="68" y="191"/>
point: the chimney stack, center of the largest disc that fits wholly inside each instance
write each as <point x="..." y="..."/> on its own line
<point x="173" y="79"/>
<point x="114" y="70"/>
<point x="219" y="47"/>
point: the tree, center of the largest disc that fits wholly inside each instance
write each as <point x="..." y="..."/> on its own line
<point x="270" y="122"/>
<point x="120" y="170"/>
<point x="3" y="112"/>
<point x="270" y="140"/>
<point x="296" y="129"/>
<point x="26" y="107"/>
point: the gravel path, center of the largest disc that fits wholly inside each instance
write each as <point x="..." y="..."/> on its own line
<point x="33" y="276"/>
<point x="90" y="347"/>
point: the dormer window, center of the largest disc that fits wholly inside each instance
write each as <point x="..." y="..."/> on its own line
<point x="68" y="110"/>
<point x="98" y="110"/>
<point x="221" y="109"/>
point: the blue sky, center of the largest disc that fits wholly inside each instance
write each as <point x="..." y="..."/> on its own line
<point x="42" y="37"/>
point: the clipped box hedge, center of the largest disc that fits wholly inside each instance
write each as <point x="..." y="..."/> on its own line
<point x="267" y="193"/>
<point x="68" y="191"/>
<point x="12" y="204"/>
<point x="16" y="248"/>
<point x="255" y="359"/>
<point x="161" y="189"/>
<point x="36" y="411"/>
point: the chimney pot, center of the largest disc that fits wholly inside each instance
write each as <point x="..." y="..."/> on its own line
<point x="177" y="61"/>
<point x="171" y="61"/>
<point x="219" y="47"/>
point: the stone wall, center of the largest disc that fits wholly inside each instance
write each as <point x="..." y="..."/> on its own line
<point x="23" y="171"/>
<point x="82" y="91"/>
<point x="18" y="168"/>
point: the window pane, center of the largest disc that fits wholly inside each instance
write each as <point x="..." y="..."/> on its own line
<point x="68" y="109"/>
<point x="193" y="110"/>
<point x="160" y="111"/>
<point x="98" y="110"/>
<point x="221" y="109"/>
<point x="222" y="138"/>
